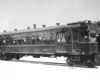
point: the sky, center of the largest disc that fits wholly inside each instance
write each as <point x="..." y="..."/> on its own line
<point x="21" y="14"/>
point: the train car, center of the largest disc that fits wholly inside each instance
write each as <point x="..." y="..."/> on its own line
<point x="78" y="41"/>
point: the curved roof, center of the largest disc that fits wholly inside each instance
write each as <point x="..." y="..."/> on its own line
<point x="38" y="29"/>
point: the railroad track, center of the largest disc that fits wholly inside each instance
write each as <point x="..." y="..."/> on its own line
<point x="48" y="63"/>
<point x="42" y="62"/>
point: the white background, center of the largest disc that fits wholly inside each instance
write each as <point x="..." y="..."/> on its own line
<point x="29" y="71"/>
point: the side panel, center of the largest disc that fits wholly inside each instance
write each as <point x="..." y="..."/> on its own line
<point x="93" y="48"/>
<point x="88" y="48"/>
<point x="37" y="49"/>
<point x="84" y="48"/>
<point x="61" y="48"/>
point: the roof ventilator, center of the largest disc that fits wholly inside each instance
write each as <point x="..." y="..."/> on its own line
<point x="44" y="26"/>
<point x="57" y="24"/>
<point x="34" y="25"/>
<point x="28" y="27"/>
<point x="4" y="31"/>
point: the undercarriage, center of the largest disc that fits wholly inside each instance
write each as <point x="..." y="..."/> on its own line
<point x="86" y="60"/>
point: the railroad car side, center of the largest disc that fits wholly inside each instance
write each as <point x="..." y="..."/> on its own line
<point x="76" y="41"/>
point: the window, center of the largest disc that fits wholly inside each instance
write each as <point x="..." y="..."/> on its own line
<point x="15" y="41"/>
<point x="8" y="41"/>
<point x="3" y="40"/>
<point x="34" y="40"/>
<point x="83" y="36"/>
<point x="28" y="40"/>
<point x="93" y="37"/>
<point x="53" y="38"/>
<point x="68" y="38"/>
<point x="46" y="37"/>
<point x="19" y="41"/>
<point x="11" y="40"/>
<point x="60" y="37"/>
<point x="24" y="41"/>
<point x="75" y="35"/>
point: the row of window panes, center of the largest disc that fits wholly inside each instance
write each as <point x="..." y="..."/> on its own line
<point x="83" y="37"/>
<point x="28" y="40"/>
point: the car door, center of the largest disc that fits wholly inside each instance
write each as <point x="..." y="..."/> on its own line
<point x="60" y="42"/>
<point x="75" y="42"/>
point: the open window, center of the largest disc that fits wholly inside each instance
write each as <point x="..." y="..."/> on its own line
<point x="28" y="40"/>
<point x="19" y="41"/>
<point x="4" y="40"/>
<point x="24" y="41"/>
<point x="93" y="37"/>
<point x="61" y="37"/>
<point x="83" y="36"/>
<point x="68" y="37"/>
<point x="34" y="40"/>
<point x="75" y="35"/>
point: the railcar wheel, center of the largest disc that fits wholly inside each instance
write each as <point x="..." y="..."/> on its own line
<point x="90" y="64"/>
<point x="3" y="56"/>
<point x="7" y="56"/>
<point x="17" y="56"/>
<point x="69" y="62"/>
<point x="97" y="59"/>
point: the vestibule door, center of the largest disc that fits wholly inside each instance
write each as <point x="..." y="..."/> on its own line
<point x="75" y="41"/>
<point x="60" y="42"/>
